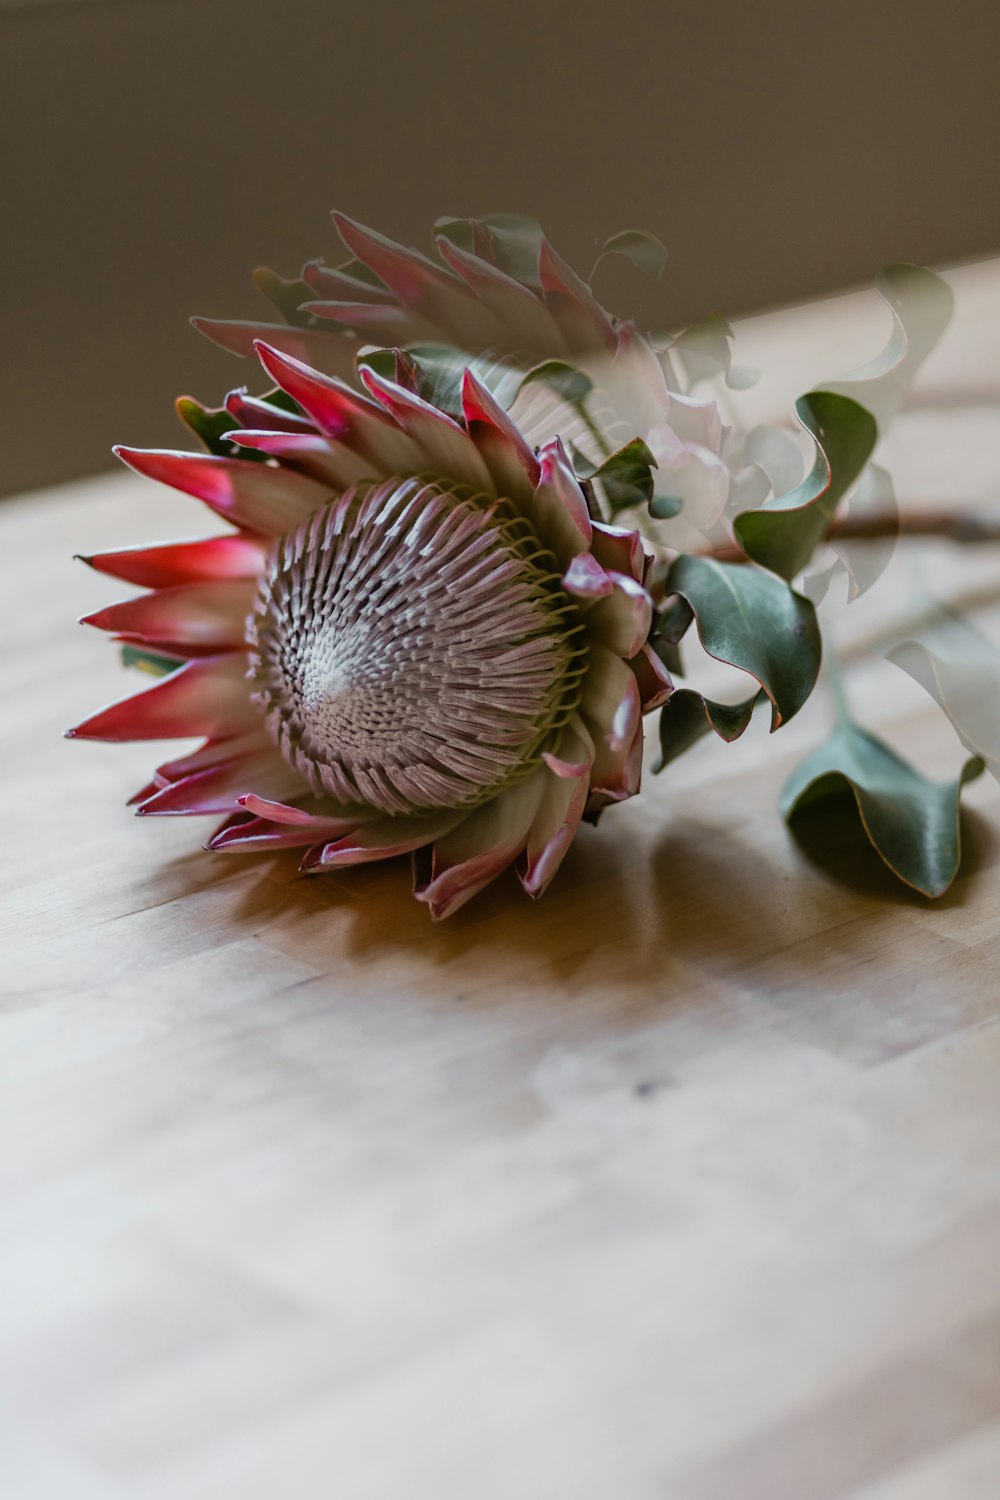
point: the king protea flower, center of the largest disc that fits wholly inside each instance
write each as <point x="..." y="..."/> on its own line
<point x="415" y="640"/>
<point x="501" y="295"/>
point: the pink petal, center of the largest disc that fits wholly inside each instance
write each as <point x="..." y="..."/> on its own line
<point x="616" y="772"/>
<point x="447" y="449"/>
<point x="552" y="832"/>
<point x="191" y="614"/>
<point x="320" y="825"/>
<point x="253" y="496"/>
<point x="379" y="325"/>
<point x="583" y="321"/>
<point x="337" y="284"/>
<point x="420" y="284"/>
<point x="381" y="839"/>
<point x="249" y="835"/>
<point x="209" y="696"/>
<point x="219" y="788"/>
<point x="343" y="414"/>
<point x="328" y="462"/>
<point x="211" y="753"/>
<point x="465" y="860"/>
<point x="252" y="411"/>
<point x="610" y="702"/>
<point x="182" y="562"/>
<point x="654" y="681"/>
<point x="622" y="621"/>
<point x="619" y="550"/>
<point x="316" y="346"/>
<point x="574" y="754"/>
<point x="527" y="321"/>
<point x="586" y="578"/>
<point x="507" y="455"/>
<point x="558" y="507"/>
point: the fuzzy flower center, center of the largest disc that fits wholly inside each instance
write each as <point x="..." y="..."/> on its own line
<point x="412" y="648"/>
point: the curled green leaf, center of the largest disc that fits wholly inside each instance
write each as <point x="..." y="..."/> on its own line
<point x="783" y="533"/>
<point x="756" y="622"/>
<point x="911" y="821"/>
<point x="687" y="716"/>
<point x="640" y="247"/>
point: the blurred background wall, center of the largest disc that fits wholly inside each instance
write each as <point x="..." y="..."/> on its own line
<point x="156" y="150"/>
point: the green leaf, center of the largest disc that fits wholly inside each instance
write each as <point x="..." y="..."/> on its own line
<point x="627" y="476"/>
<point x="286" y="296"/>
<point x="640" y="247"/>
<point x="157" y="663"/>
<point x="665" y="507"/>
<point x="911" y="821"/>
<point x="572" y="385"/>
<point x="687" y="716"/>
<point x="208" y="424"/>
<point x="783" y="533"/>
<point x="921" y="305"/>
<point x="755" y="622"/>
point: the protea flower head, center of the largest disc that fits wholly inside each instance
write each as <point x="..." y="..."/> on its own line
<point x="501" y="295"/>
<point x="415" y="639"/>
<point x="498" y="288"/>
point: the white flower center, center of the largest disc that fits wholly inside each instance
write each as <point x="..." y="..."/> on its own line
<point x="412" y="648"/>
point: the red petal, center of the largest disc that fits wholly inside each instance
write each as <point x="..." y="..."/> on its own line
<point x="253" y="496"/>
<point x="446" y="447"/>
<point x="193" y="614"/>
<point x="182" y="562"/>
<point x="209" y="696"/>
<point x="655" y="682"/>
<point x="381" y="839"/>
<point x="507" y="455"/>
<point x="314" y="345"/>
<point x="342" y="413"/>
<point x="619" y="550"/>
<point x="219" y="788"/>
<point x="583" y="321"/>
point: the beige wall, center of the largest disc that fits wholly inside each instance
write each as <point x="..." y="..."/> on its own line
<point x="154" y="152"/>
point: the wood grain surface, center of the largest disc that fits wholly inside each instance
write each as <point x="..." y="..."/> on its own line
<point x="681" y="1185"/>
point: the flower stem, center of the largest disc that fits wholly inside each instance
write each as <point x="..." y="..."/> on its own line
<point x="953" y="526"/>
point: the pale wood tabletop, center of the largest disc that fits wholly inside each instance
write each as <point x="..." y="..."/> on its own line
<point x="683" y="1184"/>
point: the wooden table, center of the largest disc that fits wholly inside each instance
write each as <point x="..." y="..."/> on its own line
<point x="682" y="1185"/>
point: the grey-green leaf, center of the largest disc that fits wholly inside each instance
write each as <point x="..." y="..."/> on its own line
<point x="783" y="533"/>
<point x="756" y="622"/>
<point x="569" y="383"/>
<point x="640" y="247"/>
<point x="911" y="821"/>
<point x="209" y="423"/>
<point x="687" y="716"/>
<point x="627" y="476"/>
<point x="156" y="663"/>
